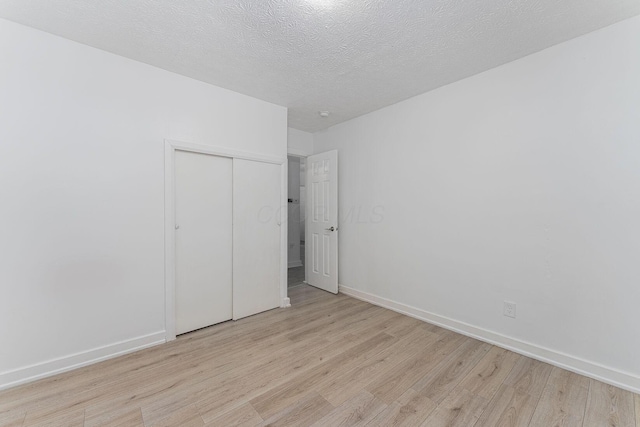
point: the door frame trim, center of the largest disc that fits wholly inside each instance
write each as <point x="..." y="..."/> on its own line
<point x="170" y="147"/>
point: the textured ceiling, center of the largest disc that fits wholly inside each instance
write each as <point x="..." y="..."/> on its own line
<point x="349" y="57"/>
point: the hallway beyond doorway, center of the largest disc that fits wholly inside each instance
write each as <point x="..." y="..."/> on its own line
<point x="296" y="274"/>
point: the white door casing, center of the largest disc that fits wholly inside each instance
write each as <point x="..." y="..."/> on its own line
<point x="203" y="240"/>
<point x="322" y="221"/>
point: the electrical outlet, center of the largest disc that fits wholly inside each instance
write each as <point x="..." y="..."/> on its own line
<point x="510" y="309"/>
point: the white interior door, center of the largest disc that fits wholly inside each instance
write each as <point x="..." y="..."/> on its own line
<point x="203" y="239"/>
<point x="256" y="237"/>
<point x="322" y="223"/>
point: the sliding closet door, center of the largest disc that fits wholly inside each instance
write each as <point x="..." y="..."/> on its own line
<point x="203" y="239"/>
<point x="256" y="237"/>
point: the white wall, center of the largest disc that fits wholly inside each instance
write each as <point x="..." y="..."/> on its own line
<point x="293" y="250"/>
<point x="81" y="184"/>
<point x="299" y="143"/>
<point x="520" y="184"/>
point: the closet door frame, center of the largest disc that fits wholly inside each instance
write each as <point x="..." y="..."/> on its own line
<point x="170" y="147"/>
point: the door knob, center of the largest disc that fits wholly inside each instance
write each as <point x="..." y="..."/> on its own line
<point x="177" y="226"/>
<point x="331" y="228"/>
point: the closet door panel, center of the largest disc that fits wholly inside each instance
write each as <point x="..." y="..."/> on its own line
<point x="203" y="239"/>
<point x="256" y="237"/>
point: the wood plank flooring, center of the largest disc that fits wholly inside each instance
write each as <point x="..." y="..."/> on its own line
<point x="327" y="361"/>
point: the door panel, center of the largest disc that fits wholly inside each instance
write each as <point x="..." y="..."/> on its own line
<point x="256" y="237"/>
<point x="203" y="200"/>
<point x="322" y="224"/>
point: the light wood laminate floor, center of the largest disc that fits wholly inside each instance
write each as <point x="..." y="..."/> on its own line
<point x="327" y="361"/>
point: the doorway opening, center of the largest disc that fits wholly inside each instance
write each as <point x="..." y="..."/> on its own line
<point x="296" y="214"/>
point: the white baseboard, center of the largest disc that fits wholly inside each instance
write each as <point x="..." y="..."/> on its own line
<point x="575" y="364"/>
<point x="55" y="366"/>
<point x="293" y="264"/>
